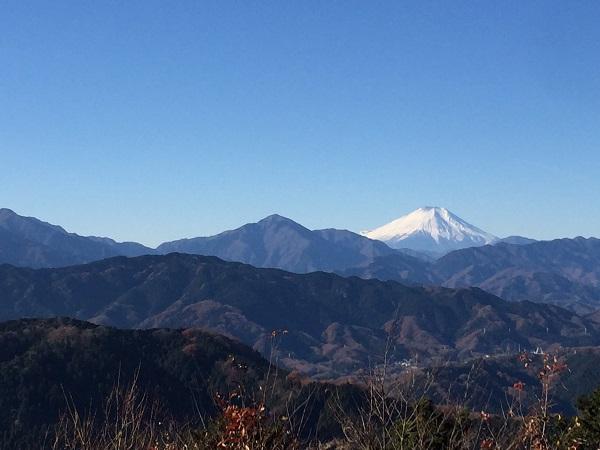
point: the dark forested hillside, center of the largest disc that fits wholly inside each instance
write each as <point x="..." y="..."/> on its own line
<point x="45" y="362"/>
<point x="333" y="325"/>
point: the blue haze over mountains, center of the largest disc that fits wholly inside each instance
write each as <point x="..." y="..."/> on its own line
<point x="565" y="272"/>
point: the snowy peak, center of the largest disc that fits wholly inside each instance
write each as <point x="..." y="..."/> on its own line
<point x="439" y="223"/>
<point x="431" y="229"/>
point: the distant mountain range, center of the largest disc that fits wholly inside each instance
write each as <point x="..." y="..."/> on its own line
<point x="272" y="242"/>
<point x="563" y="272"/>
<point x="333" y="326"/>
<point x="27" y="241"/>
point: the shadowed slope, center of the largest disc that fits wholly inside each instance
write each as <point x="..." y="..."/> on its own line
<point x="335" y="325"/>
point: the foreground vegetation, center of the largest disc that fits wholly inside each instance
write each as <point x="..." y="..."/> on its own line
<point x="381" y="415"/>
<point x="66" y="384"/>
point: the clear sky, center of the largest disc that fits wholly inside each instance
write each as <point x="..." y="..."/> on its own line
<point x="151" y="121"/>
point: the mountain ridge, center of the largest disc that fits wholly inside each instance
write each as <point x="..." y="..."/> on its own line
<point x="28" y="241"/>
<point x="334" y="325"/>
<point x="563" y="271"/>
<point x="559" y="272"/>
<point x="279" y="242"/>
<point x="31" y="242"/>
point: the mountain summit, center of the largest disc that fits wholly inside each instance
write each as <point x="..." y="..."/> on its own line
<point x="431" y="229"/>
<point x="279" y="242"/>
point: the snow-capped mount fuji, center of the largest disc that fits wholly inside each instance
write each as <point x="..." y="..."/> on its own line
<point x="432" y="230"/>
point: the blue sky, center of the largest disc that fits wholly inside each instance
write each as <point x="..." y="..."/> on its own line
<point x="152" y="121"/>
